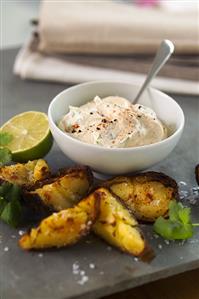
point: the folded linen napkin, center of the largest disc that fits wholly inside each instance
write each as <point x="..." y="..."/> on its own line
<point x="78" y="41"/>
<point x="31" y="64"/>
<point x="113" y="27"/>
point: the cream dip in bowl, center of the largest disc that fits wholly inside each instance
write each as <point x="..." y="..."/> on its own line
<point x="113" y="122"/>
<point x="117" y="140"/>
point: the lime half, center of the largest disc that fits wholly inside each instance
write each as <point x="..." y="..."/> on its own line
<point x="32" y="138"/>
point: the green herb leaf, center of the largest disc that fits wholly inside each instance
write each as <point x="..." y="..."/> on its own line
<point x="10" y="206"/>
<point x="178" y="226"/>
<point x="183" y="232"/>
<point x="164" y="227"/>
<point x="12" y="213"/>
<point x="4" y="189"/>
<point x="5" y="138"/>
<point x="3" y="203"/>
<point x="185" y="215"/>
<point x="174" y="208"/>
<point x="5" y="156"/>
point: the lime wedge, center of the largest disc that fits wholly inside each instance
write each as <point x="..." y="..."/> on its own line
<point x="32" y="138"/>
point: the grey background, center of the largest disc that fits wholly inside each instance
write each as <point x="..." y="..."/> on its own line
<point x="15" y="21"/>
<point x="27" y="275"/>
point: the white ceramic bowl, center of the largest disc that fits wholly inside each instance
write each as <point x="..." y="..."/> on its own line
<point x="119" y="160"/>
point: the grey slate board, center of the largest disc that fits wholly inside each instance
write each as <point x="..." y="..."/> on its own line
<point x="28" y="275"/>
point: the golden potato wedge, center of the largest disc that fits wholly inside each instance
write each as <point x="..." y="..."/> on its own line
<point x="197" y="173"/>
<point x="147" y="195"/>
<point x="25" y="174"/>
<point x="63" y="228"/>
<point x="62" y="191"/>
<point x="117" y="225"/>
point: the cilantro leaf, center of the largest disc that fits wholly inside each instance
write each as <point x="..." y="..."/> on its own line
<point x="4" y="189"/>
<point x="5" y="156"/>
<point x="182" y="232"/>
<point x="5" y="153"/>
<point x="178" y="226"/>
<point x="185" y="215"/>
<point x="173" y="230"/>
<point x="5" y="138"/>
<point x="12" y="213"/>
<point x="3" y="203"/>
<point x="10" y="206"/>
<point x="163" y="227"/>
<point x="174" y="209"/>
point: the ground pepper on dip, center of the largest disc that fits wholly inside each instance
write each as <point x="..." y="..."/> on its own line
<point x="113" y="122"/>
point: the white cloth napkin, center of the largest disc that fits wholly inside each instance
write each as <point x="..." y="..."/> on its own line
<point x="113" y="27"/>
<point x="92" y="30"/>
<point x="31" y="64"/>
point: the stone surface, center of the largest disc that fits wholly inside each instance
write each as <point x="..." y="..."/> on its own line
<point x="57" y="274"/>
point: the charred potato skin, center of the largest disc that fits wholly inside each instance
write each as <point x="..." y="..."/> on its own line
<point x="166" y="180"/>
<point x="19" y="173"/>
<point x="145" y="252"/>
<point x="65" y="228"/>
<point x="34" y="202"/>
<point x="143" y="209"/>
<point x="42" y="172"/>
<point x="197" y="174"/>
<point x="74" y="171"/>
<point x="150" y="176"/>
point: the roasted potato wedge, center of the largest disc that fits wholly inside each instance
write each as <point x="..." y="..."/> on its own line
<point x="62" y="191"/>
<point x="147" y="195"/>
<point x="117" y="225"/>
<point x="197" y="173"/>
<point x="25" y="174"/>
<point x="63" y="228"/>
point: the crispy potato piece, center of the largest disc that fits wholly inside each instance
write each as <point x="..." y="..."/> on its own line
<point x="117" y="226"/>
<point x="147" y="195"/>
<point x="63" y="228"/>
<point x="25" y="174"/>
<point x="197" y="173"/>
<point x="62" y="191"/>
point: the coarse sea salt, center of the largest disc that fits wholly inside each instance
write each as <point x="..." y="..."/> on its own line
<point x="75" y="272"/>
<point x="188" y="194"/>
<point x="75" y="266"/>
<point x="193" y="197"/>
<point x="21" y="232"/>
<point x="193" y="241"/>
<point x="181" y="243"/>
<point x="182" y="183"/>
<point x="92" y="266"/>
<point x="83" y="280"/>
<point x="166" y="242"/>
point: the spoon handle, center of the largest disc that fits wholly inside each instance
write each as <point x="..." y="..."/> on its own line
<point x="164" y="52"/>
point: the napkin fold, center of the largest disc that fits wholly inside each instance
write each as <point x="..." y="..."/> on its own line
<point x="113" y="27"/>
<point x="79" y="41"/>
<point x="32" y="64"/>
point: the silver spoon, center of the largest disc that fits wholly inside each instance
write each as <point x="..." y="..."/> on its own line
<point x="164" y="52"/>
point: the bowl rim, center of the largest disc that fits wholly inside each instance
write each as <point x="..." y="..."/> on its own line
<point x="101" y="148"/>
